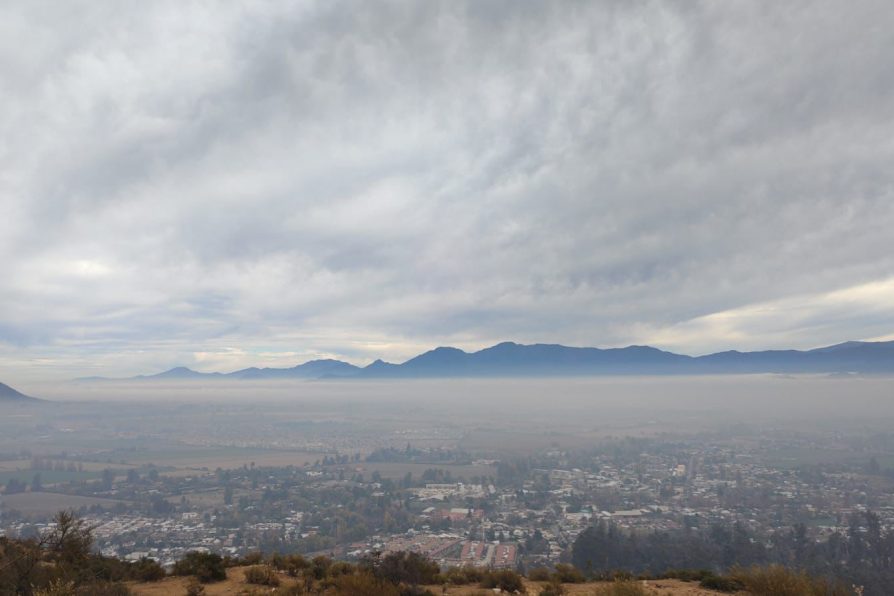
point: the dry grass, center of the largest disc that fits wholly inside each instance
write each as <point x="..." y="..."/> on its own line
<point x="235" y="584"/>
<point x="669" y="587"/>
<point x="176" y="586"/>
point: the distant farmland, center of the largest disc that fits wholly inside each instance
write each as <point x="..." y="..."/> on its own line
<point x="41" y="503"/>
<point x="211" y="458"/>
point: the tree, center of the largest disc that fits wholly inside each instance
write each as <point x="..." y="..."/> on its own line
<point x="107" y="478"/>
<point x="71" y="539"/>
<point x="60" y="557"/>
<point x="14" y="485"/>
<point x="403" y="567"/>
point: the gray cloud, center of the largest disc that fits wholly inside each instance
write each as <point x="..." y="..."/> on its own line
<point x="226" y="185"/>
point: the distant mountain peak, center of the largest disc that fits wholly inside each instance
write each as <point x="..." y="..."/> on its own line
<point x="445" y="350"/>
<point x="379" y="363"/>
<point x="178" y="372"/>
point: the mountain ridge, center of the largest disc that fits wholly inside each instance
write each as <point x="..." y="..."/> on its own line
<point x="8" y="394"/>
<point x="526" y="360"/>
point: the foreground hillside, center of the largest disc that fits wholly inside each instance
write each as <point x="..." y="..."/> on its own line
<point x="236" y="584"/>
<point x="62" y="563"/>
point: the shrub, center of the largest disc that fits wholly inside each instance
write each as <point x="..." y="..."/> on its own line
<point x="339" y="568"/>
<point x="539" y="574"/>
<point x="320" y="566"/>
<point x="776" y="580"/>
<point x="553" y="588"/>
<point x="504" y="579"/>
<point x="720" y="583"/>
<point x="291" y="564"/>
<point x="688" y="575"/>
<point x="460" y="576"/>
<point x="147" y="570"/>
<point x="364" y="584"/>
<point x="262" y="575"/>
<point x="569" y="574"/>
<point x="252" y="558"/>
<point x="404" y="567"/>
<point x="207" y="567"/>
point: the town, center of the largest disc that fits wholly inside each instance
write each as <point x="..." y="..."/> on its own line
<point x="460" y="508"/>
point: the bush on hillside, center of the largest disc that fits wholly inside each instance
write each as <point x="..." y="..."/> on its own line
<point x="539" y="574"/>
<point x="504" y="579"/>
<point x="569" y="574"/>
<point x="147" y="570"/>
<point x="776" y="580"/>
<point x="553" y="588"/>
<point x="460" y="576"/>
<point x="720" y="583"/>
<point x="262" y="575"/>
<point x="206" y="567"/>
<point x="364" y="584"/>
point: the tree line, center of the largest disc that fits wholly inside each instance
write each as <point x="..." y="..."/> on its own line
<point x="861" y="555"/>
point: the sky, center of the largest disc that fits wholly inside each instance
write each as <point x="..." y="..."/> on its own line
<point x="222" y="185"/>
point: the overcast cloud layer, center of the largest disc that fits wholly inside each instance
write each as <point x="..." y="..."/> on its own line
<point x="230" y="184"/>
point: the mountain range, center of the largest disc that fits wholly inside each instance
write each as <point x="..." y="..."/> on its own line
<point x="510" y="359"/>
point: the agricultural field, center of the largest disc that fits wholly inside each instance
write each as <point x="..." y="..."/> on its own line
<point x="226" y="458"/>
<point x="43" y="503"/>
<point x="47" y="477"/>
<point x="23" y="471"/>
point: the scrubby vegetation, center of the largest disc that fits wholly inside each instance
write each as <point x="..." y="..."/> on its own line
<point x="776" y="580"/>
<point x="505" y="580"/>
<point x="262" y="575"/>
<point x="61" y="562"/>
